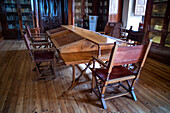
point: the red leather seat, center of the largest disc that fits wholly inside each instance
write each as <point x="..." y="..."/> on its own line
<point x="117" y="72"/>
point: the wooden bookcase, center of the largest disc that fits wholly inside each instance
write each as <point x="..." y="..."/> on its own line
<point x="157" y="27"/>
<point x="84" y="8"/>
<point x="103" y="13"/>
<point x="1" y="35"/>
<point x="15" y="14"/>
<point x="157" y="23"/>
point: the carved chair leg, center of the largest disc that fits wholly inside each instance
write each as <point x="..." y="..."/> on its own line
<point x="133" y="94"/>
<point x="103" y="103"/>
<point x="131" y="89"/>
<point x="93" y="82"/>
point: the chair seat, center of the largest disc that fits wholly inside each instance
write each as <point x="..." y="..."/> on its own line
<point x="43" y="56"/>
<point x="117" y="72"/>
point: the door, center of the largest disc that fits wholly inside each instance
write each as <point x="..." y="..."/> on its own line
<point x="50" y="14"/>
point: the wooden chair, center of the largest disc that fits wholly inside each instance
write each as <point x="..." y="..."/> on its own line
<point x="107" y="30"/>
<point x="36" y="37"/>
<point x="136" y="36"/>
<point x="116" y="73"/>
<point x="112" y="29"/>
<point x="116" y="29"/>
<point x="133" y="37"/>
<point x="44" y="58"/>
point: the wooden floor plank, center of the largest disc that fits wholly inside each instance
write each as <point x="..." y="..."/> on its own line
<point x="20" y="94"/>
<point x="7" y="80"/>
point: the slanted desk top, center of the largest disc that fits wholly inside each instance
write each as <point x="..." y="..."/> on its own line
<point x="92" y="36"/>
<point x="78" y="45"/>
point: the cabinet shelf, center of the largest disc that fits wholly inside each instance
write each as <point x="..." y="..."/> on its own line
<point x="154" y="30"/>
<point x="157" y="16"/>
<point x="78" y="20"/>
<point x="27" y="20"/>
<point x="16" y="14"/>
<point x="78" y="13"/>
<point x="10" y="3"/>
<point x="163" y="2"/>
<point x="12" y="20"/>
<point x="25" y="4"/>
<point x="78" y="6"/>
<point x="27" y="12"/>
<point x="12" y="12"/>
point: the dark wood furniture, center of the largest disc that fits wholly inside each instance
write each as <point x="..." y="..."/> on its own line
<point x="115" y="72"/>
<point x="78" y="45"/>
<point x="157" y="27"/>
<point x="1" y="35"/>
<point x="15" y="13"/>
<point x="44" y="59"/>
<point x="116" y="29"/>
<point x="108" y="30"/>
<point x="136" y="36"/>
<point x="57" y="32"/>
<point x="44" y="14"/>
<point x="50" y="14"/>
<point x="113" y="29"/>
<point x="36" y="37"/>
<point x="83" y="8"/>
<point x="103" y="13"/>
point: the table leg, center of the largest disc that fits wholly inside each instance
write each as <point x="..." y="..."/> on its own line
<point x="74" y="74"/>
<point x="76" y="81"/>
<point x="99" y="51"/>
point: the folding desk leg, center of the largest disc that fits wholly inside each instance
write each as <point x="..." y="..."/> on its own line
<point x="75" y="81"/>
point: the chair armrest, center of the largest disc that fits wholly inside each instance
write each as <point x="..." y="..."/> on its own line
<point x="99" y="61"/>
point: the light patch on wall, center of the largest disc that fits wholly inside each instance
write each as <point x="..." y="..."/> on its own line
<point x="140" y="7"/>
<point x="113" y="7"/>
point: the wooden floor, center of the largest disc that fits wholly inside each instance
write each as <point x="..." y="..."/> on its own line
<point x="19" y="94"/>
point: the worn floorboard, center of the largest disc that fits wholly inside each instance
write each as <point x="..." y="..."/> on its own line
<point x="20" y="94"/>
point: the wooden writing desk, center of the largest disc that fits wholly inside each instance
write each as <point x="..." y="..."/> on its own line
<point x="93" y="36"/>
<point x="79" y="45"/>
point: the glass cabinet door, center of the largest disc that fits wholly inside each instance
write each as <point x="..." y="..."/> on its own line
<point x="167" y="41"/>
<point x="88" y="10"/>
<point x="12" y="14"/>
<point x="26" y="10"/>
<point x="157" y="20"/>
<point x="78" y="19"/>
<point x="159" y="9"/>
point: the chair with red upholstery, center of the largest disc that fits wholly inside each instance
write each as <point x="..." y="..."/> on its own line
<point x="116" y="73"/>
<point x="44" y="59"/>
